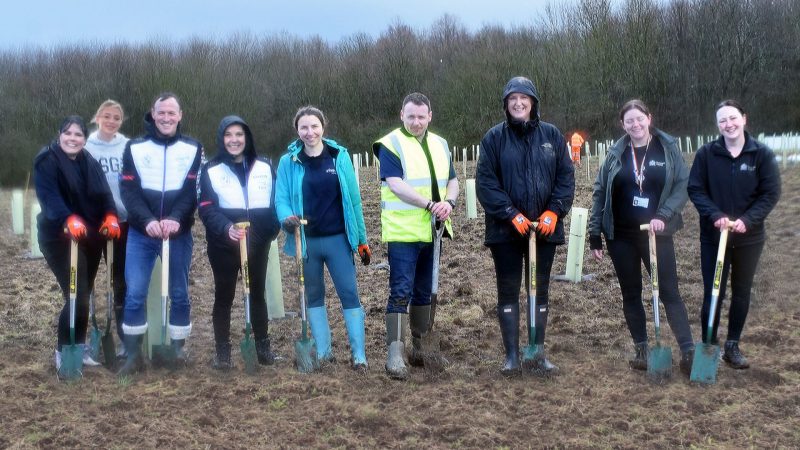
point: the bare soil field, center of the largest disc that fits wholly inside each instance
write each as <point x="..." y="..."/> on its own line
<point x="596" y="401"/>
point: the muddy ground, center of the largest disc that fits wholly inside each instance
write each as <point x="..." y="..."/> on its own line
<point x="597" y="401"/>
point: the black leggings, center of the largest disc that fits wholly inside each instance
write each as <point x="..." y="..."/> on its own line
<point x="225" y="264"/>
<point x="741" y="263"/>
<point x="628" y="254"/>
<point x="56" y="253"/>
<point x="509" y="258"/>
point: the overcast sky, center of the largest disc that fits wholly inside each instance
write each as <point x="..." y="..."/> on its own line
<point x="50" y="23"/>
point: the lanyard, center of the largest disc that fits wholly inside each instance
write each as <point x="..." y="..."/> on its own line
<point x="638" y="169"/>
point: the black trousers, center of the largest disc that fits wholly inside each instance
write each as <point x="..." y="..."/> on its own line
<point x="509" y="259"/>
<point x="741" y="263"/>
<point x="628" y="254"/>
<point x="56" y="253"/>
<point x="225" y="265"/>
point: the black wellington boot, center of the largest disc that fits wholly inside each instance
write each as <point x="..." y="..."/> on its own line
<point x="639" y="361"/>
<point x="541" y="365"/>
<point x="133" y="361"/>
<point x="508" y="316"/>
<point x="265" y="356"/>
<point x="733" y="356"/>
<point x="181" y="357"/>
<point x="222" y="360"/>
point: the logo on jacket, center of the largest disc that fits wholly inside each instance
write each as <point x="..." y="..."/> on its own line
<point x="745" y="168"/>
<point x="331" y="171"/>
<point x="657" y="163"/>
<point x="547" y="145"/>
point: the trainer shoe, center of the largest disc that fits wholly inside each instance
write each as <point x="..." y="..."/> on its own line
<point x="87" y="357"/>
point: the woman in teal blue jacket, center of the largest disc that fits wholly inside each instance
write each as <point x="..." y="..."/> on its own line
<point x="316" y="182"/>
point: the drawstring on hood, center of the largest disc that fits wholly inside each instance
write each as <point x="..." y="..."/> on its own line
<point x="525" y="86"/>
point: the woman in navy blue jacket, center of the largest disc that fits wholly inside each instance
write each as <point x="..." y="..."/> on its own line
<point x="525" y="174"/>
<point x="734" y="182"/>
<point x="238" y="186"/>
<point x="76" y="205"/>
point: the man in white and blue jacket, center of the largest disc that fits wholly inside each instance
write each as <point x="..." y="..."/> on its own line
<point x="159" y="189"/>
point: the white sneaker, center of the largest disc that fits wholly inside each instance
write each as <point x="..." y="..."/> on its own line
<point x="58" y="360"/>
<point x="87" y="357"/>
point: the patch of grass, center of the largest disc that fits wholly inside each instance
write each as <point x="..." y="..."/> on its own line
<point x="124" y="381"/>
<point x="37" y="436"/>
<point x="278" y="404"/>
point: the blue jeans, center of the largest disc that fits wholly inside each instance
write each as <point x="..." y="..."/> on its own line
<point x="140" y="257"/>
<point x="334" y="252"/>
<point x="410" y="275"/>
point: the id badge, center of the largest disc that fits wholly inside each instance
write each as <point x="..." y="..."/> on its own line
<point x="640" y="202"/>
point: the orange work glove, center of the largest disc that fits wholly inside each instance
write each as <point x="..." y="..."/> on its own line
<point x="547" y="222"/>
<point x="521" y="223"/>
<point x="75" y="227"/>
<point x="364" y="253"/>
<point x="110" y="227"/>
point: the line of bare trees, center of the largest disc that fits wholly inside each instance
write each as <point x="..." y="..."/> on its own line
<point x="586" y="59"/>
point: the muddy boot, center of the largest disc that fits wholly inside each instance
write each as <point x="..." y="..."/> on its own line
<point x="419" y="321"/>
<point x="395" y="339"/>
<point x="639" y="361"/>
<point x="354" y="322"/>
<point x="133" y="360"/>
<point x="321" y="331"/>
<point x="508" y="316"/>
<point x="541" y="365"/>
<point x="181" y="356"/>
<point x="263" y="352"/>
<point x="687" y="358"/>
<point x="222" y="359"/>
<point x="733" y="356"/>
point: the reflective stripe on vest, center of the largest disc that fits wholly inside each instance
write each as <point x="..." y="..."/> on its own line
<point x="403" y="222"/>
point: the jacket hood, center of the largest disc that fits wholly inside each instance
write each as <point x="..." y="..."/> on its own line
<point x="94" y="139"/>
<point x="249" y="147"/>
<point x="152" y="130"/>
<point x="525" y="86"/>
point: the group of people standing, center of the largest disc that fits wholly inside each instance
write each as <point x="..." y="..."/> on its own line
<point x="734" y="183"/>
<point x="144" y="191"/>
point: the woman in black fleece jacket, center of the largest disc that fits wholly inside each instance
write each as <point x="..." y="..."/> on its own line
<point x="76" y="204"/>
<point x="734" y="182"/>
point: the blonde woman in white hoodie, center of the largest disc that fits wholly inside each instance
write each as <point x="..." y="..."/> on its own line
<point x="106" y="145"/>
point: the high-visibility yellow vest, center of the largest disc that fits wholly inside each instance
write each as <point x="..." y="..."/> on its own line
<point x="403" y="222"/>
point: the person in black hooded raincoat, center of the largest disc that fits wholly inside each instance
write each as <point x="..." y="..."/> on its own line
<point x="524" y="174"/>
<point x="238" y="186"/>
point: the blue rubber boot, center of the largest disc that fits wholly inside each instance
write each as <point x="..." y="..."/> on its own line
<point x="354" y="321"/>
<point x="321" y="331"/>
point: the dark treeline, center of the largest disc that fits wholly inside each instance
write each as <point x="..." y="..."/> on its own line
<point x="681" y="57"/>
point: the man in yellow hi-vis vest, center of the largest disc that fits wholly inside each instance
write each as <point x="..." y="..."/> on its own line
<point x="417" y="180"/>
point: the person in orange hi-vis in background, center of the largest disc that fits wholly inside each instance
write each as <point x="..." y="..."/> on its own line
<point x="576" y="142"/>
